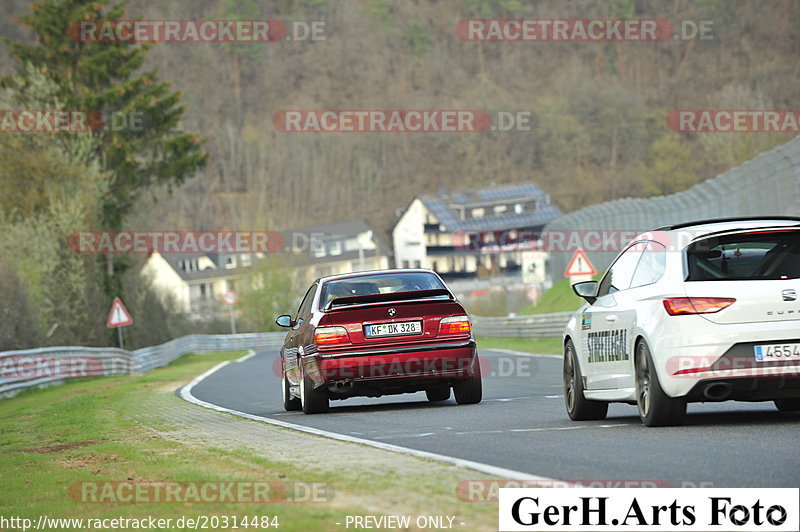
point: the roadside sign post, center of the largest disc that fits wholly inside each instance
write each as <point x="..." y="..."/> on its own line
<point x="118" y="318"/>
<point x="230" y="298"/>
<point x="579" y="268"/>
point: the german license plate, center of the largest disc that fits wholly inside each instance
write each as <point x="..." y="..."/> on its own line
<point x="769" y="353"/>
<point x="399" y="328"/>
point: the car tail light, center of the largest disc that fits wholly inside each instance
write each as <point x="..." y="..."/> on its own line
<point x="331" y="336"/>
<point x="678" y="306"/>
<point x="455" y="325"/>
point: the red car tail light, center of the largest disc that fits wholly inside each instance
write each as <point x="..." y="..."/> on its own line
<point x="331" y="336"/>
<point x="455" y="325"/>
<point x="679" y="306"/>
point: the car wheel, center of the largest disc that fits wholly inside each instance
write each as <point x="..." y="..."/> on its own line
<point x="469" y="390"/>
<point x="314" y="401"/>
<point x="289" y="403"/>
<point x="438" y="394"/>
<point x="787" y="405"/>
<point x="656" y="408"/>
<point x="578" y="407"/>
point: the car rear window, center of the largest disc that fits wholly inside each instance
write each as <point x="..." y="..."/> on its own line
<point x="384" y="283"/>
<point x="767" y="254"/>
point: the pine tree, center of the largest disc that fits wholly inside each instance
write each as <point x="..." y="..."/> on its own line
<point x="109" y="78"/>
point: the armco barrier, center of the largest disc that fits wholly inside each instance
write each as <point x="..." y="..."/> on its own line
<point x="48" y="365"/>
<point x="536" y="326"/>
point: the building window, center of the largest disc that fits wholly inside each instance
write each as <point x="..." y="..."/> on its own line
<point x="231" y="285"/>
<point x="500" y="209"/>
<point x="417" y="264"/>
<point x="246" y="259"/>
<point x="203" y="293"/>
<point x="336" y="248"/>
<point x="230" y="262"/>
<point x="405" y="264"/>
<point x="518" y="208"/>
<point x="478" y="212"/>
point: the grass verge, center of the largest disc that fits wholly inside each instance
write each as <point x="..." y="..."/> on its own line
<point x="56" y="440"/>
<point x="559" y="298"/>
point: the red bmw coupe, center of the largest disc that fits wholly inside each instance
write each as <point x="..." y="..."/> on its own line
<point x="378" y="333"/>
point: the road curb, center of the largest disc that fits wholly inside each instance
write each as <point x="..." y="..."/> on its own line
<point x="185" y="393"/>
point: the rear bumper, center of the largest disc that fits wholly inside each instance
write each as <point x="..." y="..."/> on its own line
<point x="432" y="361"/>
<point x="745" y="389"/>
<point x="688" y="351"/>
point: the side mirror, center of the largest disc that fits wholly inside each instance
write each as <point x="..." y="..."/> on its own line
<point x="587" y="290"/>
<point x="285" y="321"/>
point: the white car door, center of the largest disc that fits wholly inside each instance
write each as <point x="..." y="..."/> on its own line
<point x="607" y="326"/>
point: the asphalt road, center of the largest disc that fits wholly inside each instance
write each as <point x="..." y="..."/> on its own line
<point x="522" y="425"/>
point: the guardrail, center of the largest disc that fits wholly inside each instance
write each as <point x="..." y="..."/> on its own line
<point x="51" y="365"/>
<point x="536" y="326"/>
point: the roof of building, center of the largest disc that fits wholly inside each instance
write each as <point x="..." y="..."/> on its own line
<point x="445" y="206"/>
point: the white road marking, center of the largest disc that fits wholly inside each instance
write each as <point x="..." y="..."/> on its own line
<point x="390" y="436"/>
<point x="538" y="429"/>
<point x="185" y="393"/>
<point x="248" y="356"/>
<point x="506" y="399"/>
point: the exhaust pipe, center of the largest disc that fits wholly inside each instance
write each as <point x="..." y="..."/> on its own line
<point x="718" y="391"/>
<point x="341" y="386"/>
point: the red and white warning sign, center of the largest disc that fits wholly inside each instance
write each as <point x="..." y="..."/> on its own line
<point x="119" y="315"/>
<point x="579" y="265"/>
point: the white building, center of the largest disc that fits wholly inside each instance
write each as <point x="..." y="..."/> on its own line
<point x="478" y="232"/>
<point x="197" y="282"/>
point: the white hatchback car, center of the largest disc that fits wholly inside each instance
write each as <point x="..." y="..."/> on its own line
<point x="705" y="311"/>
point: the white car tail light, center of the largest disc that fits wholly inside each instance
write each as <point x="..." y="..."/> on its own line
<point x="679" y="306"/>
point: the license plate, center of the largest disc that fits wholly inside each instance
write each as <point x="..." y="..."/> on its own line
<point x="393" y="329"/>
<point x="769" y="353"/>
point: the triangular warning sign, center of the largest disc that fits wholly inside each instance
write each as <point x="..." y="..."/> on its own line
<point x="579" y="265"/>
<point x="119" y="315"/>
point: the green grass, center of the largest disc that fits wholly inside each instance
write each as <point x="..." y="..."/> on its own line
<point x="560" y="298"/>
<point x="99" y="430"/>
<point x="544" y="346"/>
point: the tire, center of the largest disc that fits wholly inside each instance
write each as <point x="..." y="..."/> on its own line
<point x="469" y="390"/>
<point x="435" y="395"/>
<point x="788" y="405"/>
<point x="290" y="404"/>
<point x="656" y="408"/>
<point x="578" y="407"/>
<point x="314" y="401"/>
